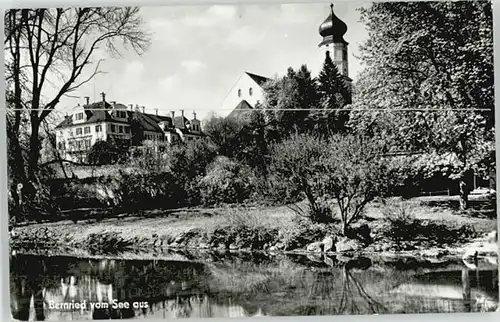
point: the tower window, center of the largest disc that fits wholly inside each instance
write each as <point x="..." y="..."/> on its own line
<point x="239" y="93"/>
<point x="344" y="54"/>
<point x="250" y="91"/>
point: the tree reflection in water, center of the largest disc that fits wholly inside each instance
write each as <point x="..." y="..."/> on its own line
<point x="354" y="296"/>
<point x="26" y="288"/>
<point x="284" y="287"/>
<point x="339" y="291"/>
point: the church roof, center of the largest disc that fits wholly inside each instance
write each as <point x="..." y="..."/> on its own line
<point x="260" y="80"/>
<point x="333" y="28"/>
<point x="242" y="111"/>
<point x="180" y="122"/>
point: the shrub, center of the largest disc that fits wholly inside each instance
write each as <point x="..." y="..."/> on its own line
<point x="349" y="169"/>
<point x="300" y="232"/>
<point x="226" y="181"/>
<point x="106" y="243"/>
<point x="401" y="218"/>
<point x="162" y="190"/>
<point x="322" y="213"/>
<point x="239" y="217"/>
<point x="103" y="152"/>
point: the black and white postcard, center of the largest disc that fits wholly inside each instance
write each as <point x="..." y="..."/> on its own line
<point x="244" y="160"/>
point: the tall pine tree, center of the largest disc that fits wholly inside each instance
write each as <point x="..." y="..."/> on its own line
<point x="334" y="95"/>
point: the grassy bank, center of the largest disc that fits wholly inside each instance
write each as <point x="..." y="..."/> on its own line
<point x="436" y="224"/>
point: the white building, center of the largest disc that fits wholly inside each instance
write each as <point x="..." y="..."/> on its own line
<point x="245" y="94"/>
<point x="124" y="127"/>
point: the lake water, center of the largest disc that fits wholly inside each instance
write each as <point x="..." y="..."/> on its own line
<point x="241" y="287"/>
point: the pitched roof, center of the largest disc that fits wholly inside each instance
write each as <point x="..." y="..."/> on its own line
<point x="242" y="111"/>
<point x="65" y="123"/>
<point x="188" y="132"/>
<point x="180" y="122"/>
<point x="95" y="112"/>
<point x="260" y="80"/>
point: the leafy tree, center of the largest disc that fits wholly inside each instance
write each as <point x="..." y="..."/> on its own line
<point x="190" y="159"/>
<point x="435" y="60"/>
<point x="349" y="169"/>
<point x="226" y="181"/>
<point x="294" y="170"/>
<point x="356" y="171"/>
<point x="136" y="132"/>
<point x="103" y="152"/>
<point x="289" y="99"/>
<point x="188" y="164"/>
<point x="223" y="132"/>
<point x="253" y="146"/>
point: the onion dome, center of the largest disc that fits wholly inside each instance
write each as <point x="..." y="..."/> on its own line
<point x="333" y="29"/>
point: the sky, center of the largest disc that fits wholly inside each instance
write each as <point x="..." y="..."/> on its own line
<point x="198" y="52"/>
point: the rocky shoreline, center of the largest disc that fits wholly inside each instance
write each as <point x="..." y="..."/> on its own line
<point x="190" y="245"/>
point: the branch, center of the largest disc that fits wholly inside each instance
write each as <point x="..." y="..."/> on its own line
<point x="95" y="73"/>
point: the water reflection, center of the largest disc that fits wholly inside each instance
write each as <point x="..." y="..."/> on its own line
<point x="239" y="288"/>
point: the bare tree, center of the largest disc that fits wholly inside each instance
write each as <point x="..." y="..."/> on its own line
<point x="50" y="53"/>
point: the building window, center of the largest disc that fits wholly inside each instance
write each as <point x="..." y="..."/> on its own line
<point x="113" y="128"/>
<point x="250" y="91"/>
<point x="127" y="130"/>
<point x="86" y="130"/>
<point x="79" y="116"/>
<point x="79" y="131"/>
<point x="87" y="144"/>
<point x="239" y="93"/>
<point x="98" y="128"/>
<point x="120" y="129"/>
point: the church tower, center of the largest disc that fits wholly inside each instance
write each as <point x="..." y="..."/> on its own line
<point x="333" y="30"/>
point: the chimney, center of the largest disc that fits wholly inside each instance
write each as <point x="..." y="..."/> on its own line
<point x="113" y="102"/>
<point x="137" y="107"/>
<point x="131" y="107"/>
<point x="103" y="95"/>
<point x="182" y="113"/>
<point x="156" y="112"/>
<point x="172" y="114"/>
<point x="143" y="109"/>
<point x="87" y="100"/>
<point x="194" y="115"/>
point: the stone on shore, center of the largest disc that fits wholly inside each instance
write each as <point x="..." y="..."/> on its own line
<point x="316" y="247"/>
<point x="328" y="244"/>
<point x="348" y="245"/>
